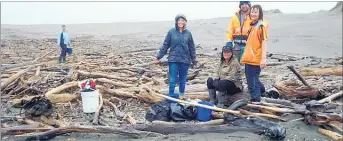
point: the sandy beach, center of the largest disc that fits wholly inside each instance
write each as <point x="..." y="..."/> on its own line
<point x="317" y="35"/>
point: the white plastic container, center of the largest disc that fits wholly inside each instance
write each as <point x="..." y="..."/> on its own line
<point x="90" y="101"/>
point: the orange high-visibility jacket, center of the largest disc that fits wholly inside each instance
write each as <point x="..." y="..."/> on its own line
<point x="253" y="50"/>
<point x="238" y="30"/>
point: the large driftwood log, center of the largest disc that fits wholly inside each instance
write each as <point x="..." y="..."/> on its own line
<point x="61" y="98"/>
<point x="291" y="91"/>
<point x="318" y="118"/>
<point x="136" y="69"/>
<point x="54" y="98"/>
<point x="197" y="95"/>
<point x="331" y="97"/>
<point x="272" y="105"/>
<point x="104" y="75"/>
<point x="148" y="95"/>
<point x="33" y="123"/>
<point x="337" y="70"/>
<point x="278" y="101"/>
<point x="333" y="135"/>
<point x="117" y="84"/>
<point x="151" y="63"/>
<point x="189" y="88"/>
<point x="250" y="114"/>
<point x="64" y="130"/>
<point x="61" y="88"/>
<point x="273" y="109"/>
<point x="192" y="128"/>
<point x="8" y="81"/>
<point x="18" y="130"/>
<point x="336" y="125"/>
<point x="116" y="92"/>
<point x="141" y="130"/>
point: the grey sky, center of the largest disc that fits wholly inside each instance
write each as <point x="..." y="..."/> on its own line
<point x="105" y="12"/>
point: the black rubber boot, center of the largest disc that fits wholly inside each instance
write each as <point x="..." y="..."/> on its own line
<point x="60" y="59"/>
<point x="64" y="59"/>
<point x="213" y="96"/>
<point x="222" y="99"/>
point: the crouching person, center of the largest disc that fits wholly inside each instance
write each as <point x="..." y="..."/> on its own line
<point x="228" y="81"/>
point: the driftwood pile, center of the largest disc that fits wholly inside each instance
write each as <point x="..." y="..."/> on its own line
<point x="132" y="75"/>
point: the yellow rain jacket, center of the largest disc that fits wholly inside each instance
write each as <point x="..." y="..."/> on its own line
<point x="238" y="28"/>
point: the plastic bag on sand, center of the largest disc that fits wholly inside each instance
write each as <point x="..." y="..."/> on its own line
<point x="159" y="111"/>
<point x="271" y="129"/>
<point x="181" y="112"/>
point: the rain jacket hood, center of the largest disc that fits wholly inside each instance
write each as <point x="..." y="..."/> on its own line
<point x="177" y="18"/>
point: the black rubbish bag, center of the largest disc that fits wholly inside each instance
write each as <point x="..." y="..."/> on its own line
<point x="159" y="111"/>
<point x="272" y="129"/>
<point x="181" y="113"/>
<point x="269" y="128"/>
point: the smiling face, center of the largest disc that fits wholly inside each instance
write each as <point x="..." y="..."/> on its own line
<point x="227" y="54"/>
<point x="254" y="14"/>
<point x="245" y="7"/>
<point x="181" y="23"/>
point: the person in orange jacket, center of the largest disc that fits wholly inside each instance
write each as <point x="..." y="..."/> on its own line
<point x="255" y="53"/>
<point x="239" y="26"/>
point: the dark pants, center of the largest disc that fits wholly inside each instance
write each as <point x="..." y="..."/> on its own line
<point x="180" y="69"/>
<point x="226" y="86"/>
<point x="255" y="86"/>
<point x="63" y="52"/>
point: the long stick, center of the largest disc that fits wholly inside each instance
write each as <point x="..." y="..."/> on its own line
<point x="199" y="105"/>
<point x="331" y="97"/>
<point x="274" y="109"/>
<point x="299" y="76"/>
<point x="210" y="107"/>
<point x="97" y="113"/>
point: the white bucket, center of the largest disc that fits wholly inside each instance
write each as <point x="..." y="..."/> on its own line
<point x="90" y="101"/>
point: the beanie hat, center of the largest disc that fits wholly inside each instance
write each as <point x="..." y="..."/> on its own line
<point x="244" y="2"/>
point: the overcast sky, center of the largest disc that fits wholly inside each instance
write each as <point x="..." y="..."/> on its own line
<point x="105" y="12"/>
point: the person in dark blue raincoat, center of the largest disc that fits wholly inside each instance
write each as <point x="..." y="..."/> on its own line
<point x="182" y="53"/>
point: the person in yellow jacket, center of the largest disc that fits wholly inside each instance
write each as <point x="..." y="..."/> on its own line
<point x="239" y="26"/>
<point x="255" y="53"/>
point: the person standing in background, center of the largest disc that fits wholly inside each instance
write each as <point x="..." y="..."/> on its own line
<point x="237" y="33"/>
<point x="63" y="41"/>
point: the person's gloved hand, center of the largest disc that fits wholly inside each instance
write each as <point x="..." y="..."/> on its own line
<point x="229" y="44"/>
